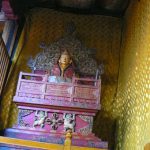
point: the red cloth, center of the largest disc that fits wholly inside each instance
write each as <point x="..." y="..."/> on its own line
<point x="68" y="72"/>
<point x="6" y="7"/>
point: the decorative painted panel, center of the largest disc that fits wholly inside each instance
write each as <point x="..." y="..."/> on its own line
<point x="54" y="120"/>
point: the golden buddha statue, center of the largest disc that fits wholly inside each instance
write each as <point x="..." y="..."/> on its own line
<point x="64" y="61"/>
<point x="64" y="67"/>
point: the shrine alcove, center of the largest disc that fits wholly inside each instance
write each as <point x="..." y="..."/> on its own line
<point x="115" y="35"/>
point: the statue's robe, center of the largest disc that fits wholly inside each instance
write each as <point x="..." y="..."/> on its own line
<point x="68" y="72"/>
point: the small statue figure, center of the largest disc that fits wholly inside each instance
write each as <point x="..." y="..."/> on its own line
<point x="64" y="69"/>
<point x="40" y="117"/>
<point x="69" y="121"/>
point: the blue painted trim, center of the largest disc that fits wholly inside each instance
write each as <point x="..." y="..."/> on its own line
<point x="11" y="34"/>
<point x="20" y="28"/>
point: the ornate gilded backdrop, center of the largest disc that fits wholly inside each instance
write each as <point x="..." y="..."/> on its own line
<point x="99" y="32"/>
<point x="133" y="95"/>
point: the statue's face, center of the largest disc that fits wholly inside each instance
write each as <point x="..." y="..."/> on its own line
<point x="65" y="59"/>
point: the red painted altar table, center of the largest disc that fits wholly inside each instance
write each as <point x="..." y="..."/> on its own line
<point x="48" y="109"/>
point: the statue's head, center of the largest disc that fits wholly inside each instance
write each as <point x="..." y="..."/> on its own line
<point x="65" y="58"/>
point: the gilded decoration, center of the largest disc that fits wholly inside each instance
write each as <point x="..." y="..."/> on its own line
<point x="81" y="55"/>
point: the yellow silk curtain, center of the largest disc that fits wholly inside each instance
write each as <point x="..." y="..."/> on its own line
<point x="132" y="103"/>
